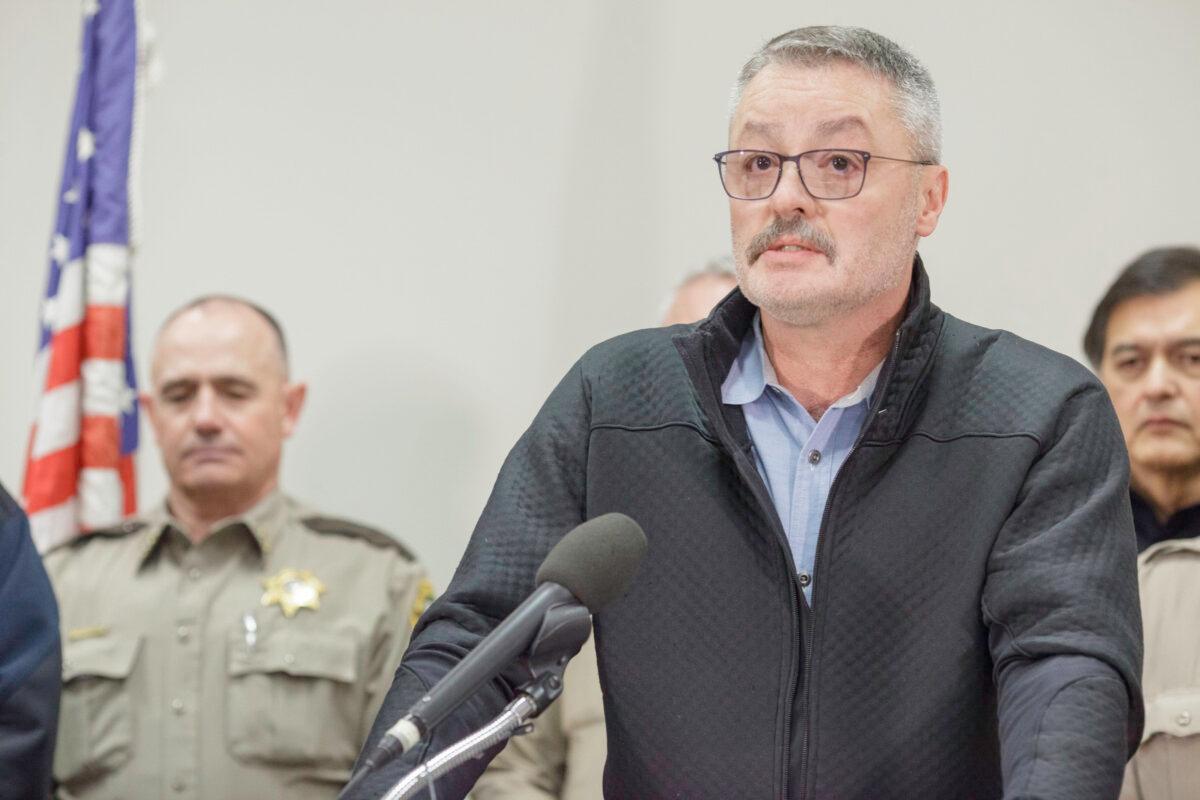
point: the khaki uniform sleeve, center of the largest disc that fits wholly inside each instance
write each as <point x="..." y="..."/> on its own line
<point x="410" y="592"/>
<point x="1129" y="788"/>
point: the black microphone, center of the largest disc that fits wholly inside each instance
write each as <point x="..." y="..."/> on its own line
<point x="592" y="564"/>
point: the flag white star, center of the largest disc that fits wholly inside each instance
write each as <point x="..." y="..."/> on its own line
<point x="91" y="8"/>
<point x="71" y="195"/>
<point x="128" y="399"/>
<point x="85" y="145"/>
<point x="60" y="248"/>
<point x="49" y="312"/>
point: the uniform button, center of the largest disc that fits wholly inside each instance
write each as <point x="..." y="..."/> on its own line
<point x="194" y="573"/>
<point x="177" y="706"/>
<point x="289" y="658"/>
<point x="814" y="457"/>
<point x="178" y="785"/>
<point x="805" y="579"/>
<point x="182" y="633"/>
<point x="1184" y="719"/>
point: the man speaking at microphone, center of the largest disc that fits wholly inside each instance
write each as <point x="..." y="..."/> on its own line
<point x="890" y="552"/>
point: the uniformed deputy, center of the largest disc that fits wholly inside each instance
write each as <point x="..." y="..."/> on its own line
<point x="232" y="643"/>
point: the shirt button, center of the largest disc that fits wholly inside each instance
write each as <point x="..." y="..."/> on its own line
<point x="194" y="573"/>
<point x="805" y="579"/>
<point x="814" y="457"/>
<point x="178" y="785"/>
<point x="182" y="633"/>
<point x="177" y="706"/>
<point x="289" y="658"/>
<point x="1184" y="719"/>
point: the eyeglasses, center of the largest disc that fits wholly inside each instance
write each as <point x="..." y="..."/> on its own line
<point x="826" y="174"/>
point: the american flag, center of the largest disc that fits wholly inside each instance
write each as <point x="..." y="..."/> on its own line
<point x="79" y="474"/>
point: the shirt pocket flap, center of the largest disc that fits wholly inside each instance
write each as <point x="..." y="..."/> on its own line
<point x="102" y="657"/>
<point x="1176" y="713"/>
<point x="308" y="655"/>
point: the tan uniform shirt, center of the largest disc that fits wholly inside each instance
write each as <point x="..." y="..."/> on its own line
<point x="248" y="666"/>
<point x="563" y="757"/>
<point x="1167" y="765"/>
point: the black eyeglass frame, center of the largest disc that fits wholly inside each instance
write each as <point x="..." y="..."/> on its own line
<point x="866" y="157"/>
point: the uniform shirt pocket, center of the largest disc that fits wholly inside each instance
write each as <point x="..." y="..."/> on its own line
<point x="294" y="697"/>
<point x="95" y="722"/>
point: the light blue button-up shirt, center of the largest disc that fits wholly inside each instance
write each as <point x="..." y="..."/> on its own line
<point x="796" y="456"/>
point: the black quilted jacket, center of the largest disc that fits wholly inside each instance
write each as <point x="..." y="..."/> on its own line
<point x="975" y="629"/>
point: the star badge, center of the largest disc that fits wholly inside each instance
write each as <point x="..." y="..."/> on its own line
<point x="293" y="590"/>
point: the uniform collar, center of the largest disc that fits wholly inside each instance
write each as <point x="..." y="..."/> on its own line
<point x="1184" y="524"/>
<point x="264" y="523"/>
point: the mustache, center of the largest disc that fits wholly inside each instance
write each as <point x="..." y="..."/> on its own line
<point x="797" y="227"/>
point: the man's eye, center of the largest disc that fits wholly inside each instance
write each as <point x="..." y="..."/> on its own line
<point x="840" y="163"/>
<point x="1128" y="364"/>
<point x="762" y="163"/>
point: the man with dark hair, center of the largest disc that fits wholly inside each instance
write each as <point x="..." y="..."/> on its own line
<point x="890" y="553"/>
<point x="1144" y="340"/>
<point x="232" y="643"/>
<point x="30" y="661"/>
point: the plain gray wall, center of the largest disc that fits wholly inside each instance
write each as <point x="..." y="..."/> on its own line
<point x="446" y="203"/>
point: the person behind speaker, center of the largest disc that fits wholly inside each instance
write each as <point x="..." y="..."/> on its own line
<point x="1144" y="341"/>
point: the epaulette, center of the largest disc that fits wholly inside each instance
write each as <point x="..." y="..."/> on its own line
<point x="344" y="527"/>
<point x="123" y="528"/>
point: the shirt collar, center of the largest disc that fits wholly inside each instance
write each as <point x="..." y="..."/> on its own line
<point x="752" y="372"/>
<point x="264" y="522"/>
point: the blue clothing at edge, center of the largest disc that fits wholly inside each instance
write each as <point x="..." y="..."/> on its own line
<point x="30" y="661"/>
<point x="798" y="457"/>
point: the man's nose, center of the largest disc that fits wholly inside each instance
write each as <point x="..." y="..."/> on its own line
<point x="206" y="412"/>
<point x="791" y="197"/>
<point x="1161" y="381"/>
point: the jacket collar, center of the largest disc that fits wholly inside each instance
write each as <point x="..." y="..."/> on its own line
<point x="717" y="341"/>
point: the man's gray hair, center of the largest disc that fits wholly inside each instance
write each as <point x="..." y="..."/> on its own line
<point x="916" y="98"/>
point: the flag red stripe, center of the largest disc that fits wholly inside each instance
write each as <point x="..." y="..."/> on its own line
<point x="98" y="439"/>
<point x="51" y="479"/>
<point x="129" y="482"/>
<point x="65" y="354"/>
<point x="104" y="332"/>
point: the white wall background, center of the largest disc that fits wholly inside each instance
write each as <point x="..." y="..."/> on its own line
<point x="447" y="202"/>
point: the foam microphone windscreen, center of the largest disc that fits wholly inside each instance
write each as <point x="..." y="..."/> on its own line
<point x="596" y="560"/>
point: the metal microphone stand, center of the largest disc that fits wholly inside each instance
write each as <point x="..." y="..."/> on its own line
<point x="564" y="630"/>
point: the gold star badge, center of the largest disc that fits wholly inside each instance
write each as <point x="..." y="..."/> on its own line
<point x="421" y="602"/>
<point x="293" y="590"/>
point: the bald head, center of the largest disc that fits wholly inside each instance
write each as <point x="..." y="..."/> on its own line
<point x="222" y="314"/>
<point x="697" y="295"/>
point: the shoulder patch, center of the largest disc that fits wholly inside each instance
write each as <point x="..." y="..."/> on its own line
<point x="344" y="527"/>
<point x="110" y="532"/>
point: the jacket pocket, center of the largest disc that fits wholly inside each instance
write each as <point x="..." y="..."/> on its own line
<point x="294" y="698"/>
<point x="95" y="717"/>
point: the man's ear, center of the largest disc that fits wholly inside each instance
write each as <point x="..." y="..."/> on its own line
<point x="146" y="401"/>
<point x="293" y="401"/>
<point x="935" y="187"/>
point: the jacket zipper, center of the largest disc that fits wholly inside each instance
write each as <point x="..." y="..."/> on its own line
<point x="809" y="644"/>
